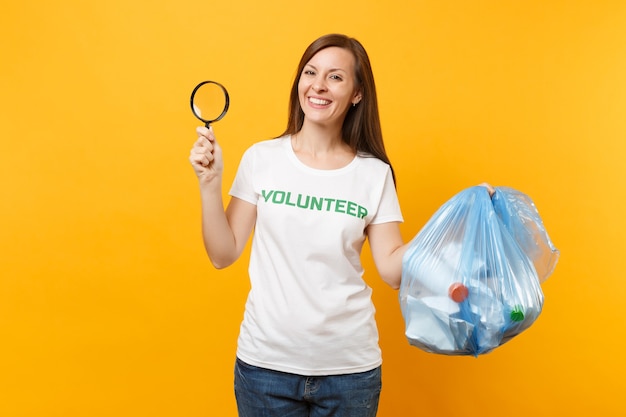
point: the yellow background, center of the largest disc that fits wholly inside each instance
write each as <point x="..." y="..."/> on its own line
<point x="108" y="304"/>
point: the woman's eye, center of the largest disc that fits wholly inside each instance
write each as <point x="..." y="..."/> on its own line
<point x="336" y="77"/>
<point x="309" y="72"/>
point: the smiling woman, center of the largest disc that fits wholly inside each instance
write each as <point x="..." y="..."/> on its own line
<point x="327" y="87"/>
<point x="107" y="306"/>
<point x="360" y="129"/>
<point x="312" y="197"/>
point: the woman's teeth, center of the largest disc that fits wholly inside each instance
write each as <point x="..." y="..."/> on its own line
<point x="319" y="101"/>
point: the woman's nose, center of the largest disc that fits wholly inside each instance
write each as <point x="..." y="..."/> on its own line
<point x="319" y="85"/>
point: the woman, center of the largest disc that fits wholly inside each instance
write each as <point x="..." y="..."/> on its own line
<point x="308" y="343"/>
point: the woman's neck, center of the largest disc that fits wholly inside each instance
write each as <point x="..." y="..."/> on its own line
<point x="321" y="148"/>
<point x="315" y="138"/>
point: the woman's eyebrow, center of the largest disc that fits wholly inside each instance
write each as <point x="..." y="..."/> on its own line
<point x="330" y="70"/>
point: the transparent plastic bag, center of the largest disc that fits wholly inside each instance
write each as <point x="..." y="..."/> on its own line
<point x="468" y="285"/>
<point x="521" y="219"/>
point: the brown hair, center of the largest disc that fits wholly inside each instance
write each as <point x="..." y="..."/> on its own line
<point x="361" y="128"/>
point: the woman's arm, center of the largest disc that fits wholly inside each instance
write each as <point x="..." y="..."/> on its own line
<point x="387" y="249"/>
<point x="225" y="232"/>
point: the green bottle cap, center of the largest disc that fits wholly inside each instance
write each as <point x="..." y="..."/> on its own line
<point x="517" y="314"/>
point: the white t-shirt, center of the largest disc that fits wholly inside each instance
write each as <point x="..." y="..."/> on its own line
<point x="309" y="312"/>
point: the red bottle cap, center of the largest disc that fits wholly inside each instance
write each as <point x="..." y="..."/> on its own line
<point x="458" y="292"/>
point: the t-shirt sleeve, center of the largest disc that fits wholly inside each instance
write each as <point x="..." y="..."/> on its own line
<point x="389" y="206"/>
<point x="243" y="185"/>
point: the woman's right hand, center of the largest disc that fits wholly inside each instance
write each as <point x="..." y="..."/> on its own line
<point x="206" y="156"/>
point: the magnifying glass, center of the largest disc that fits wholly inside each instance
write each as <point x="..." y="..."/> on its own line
<point x="209" y="102"/>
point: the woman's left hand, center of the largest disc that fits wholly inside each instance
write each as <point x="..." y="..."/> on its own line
<point x="489" y="188"/>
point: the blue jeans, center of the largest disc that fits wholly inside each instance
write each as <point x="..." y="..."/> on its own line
<point x="265" y="393"/>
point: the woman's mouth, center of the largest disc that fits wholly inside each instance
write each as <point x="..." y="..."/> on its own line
<point x="319" y="101"/>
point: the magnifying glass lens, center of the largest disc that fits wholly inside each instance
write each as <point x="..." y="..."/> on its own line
<point x="209" y="101"/>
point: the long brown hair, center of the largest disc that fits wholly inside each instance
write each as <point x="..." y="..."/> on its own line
<point x="361" y="128"/>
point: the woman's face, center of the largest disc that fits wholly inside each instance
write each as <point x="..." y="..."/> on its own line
<point x="327" y="86"/>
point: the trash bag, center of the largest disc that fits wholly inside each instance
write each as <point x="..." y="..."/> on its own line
<point x="521" y="219"/>
<point x="469" y="277"/>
